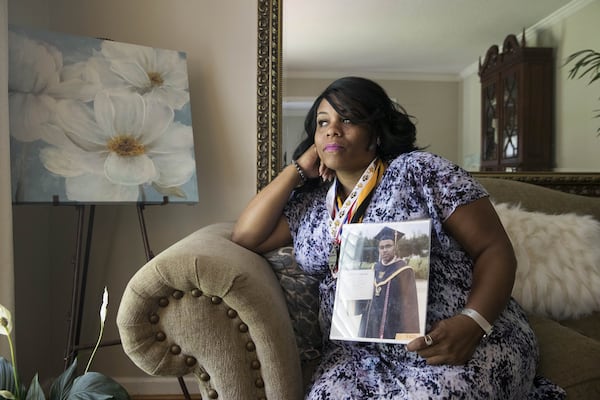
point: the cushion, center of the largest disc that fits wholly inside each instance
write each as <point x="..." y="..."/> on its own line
<point x="588" y="325"/>
<point x="558" y="256"/>
<point x="301" y="292"/>
<point x="568" y="358"/>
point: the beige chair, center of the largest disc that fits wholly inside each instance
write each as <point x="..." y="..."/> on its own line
<point x="208" y="307"/>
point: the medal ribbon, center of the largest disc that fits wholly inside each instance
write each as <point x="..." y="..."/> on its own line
<point x="342" y="212"/>
<point x="352" y="209"/>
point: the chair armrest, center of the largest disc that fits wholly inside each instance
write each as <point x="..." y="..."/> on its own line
<point x="208" y="307"/>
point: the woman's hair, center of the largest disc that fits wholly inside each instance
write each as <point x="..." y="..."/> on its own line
<point x="363" y="101"/>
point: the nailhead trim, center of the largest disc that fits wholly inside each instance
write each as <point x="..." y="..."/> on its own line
<point x="191" y="361"/>
<point x="163" y="302"/>
<point x="154" y="319"/>
<point x="212" y="394"/>
<point x="204" y="377"/>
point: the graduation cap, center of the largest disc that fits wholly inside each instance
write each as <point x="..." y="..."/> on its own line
<point x="388" y="233"/>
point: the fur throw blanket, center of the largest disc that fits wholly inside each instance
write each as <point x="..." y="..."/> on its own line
<point x="558" y="273"/>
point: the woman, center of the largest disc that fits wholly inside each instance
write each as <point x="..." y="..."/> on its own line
<point x="365" y="143"/>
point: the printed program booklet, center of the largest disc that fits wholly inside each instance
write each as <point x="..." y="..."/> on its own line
<point x="382" y="283"/>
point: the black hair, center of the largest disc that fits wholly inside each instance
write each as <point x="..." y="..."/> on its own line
<point x="363" y="101"/>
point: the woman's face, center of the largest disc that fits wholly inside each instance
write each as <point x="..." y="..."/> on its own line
<point x="342" y="145"/>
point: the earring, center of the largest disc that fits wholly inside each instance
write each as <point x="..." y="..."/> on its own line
<point x="375" y="145"/>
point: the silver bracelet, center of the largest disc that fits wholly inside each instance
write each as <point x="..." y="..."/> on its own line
<point x="481" y="321"/>
<point x="300" y="171"/>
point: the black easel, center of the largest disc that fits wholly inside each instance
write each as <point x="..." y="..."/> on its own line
<point x="80" y="269"/>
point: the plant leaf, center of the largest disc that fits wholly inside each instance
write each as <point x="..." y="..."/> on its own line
<point x="590" y="61"/>
<point x="96" y="386"/>
<point x="35" y="391"/>
<point x="7" y="380"/>
<point x="61" y="387"/>
<point x="595" y="78"/>
<point x="7" y="395"/>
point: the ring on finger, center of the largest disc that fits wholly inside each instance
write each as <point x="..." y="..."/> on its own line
<point x="428" y="340"/>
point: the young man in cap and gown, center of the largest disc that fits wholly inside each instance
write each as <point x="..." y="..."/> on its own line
<point x="393" y="309"/>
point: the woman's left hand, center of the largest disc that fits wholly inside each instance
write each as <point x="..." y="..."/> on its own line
<point x="453" y="341"/>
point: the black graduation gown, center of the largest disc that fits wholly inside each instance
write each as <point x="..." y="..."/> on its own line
<point x="393" y="308"/>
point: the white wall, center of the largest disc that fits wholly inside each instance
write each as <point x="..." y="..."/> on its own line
<point x="470" y="121"/>
<point x="577" y="144"/>
<point x="449" y="112"/>
<point x="6" y="251"/>
<point x="576" y="141"/>
<point x="219" y="38"/>
<point x="434" y="104"/>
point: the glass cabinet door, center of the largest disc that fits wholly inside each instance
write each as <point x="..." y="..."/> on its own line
<point x="489" y="149"/>
<point x="510" y="124"/>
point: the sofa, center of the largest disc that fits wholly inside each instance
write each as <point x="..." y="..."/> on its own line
<point x="244" y="324"/>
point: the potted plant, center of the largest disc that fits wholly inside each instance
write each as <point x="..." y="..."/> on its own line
<point x="68" y="386"/>
<point x="587" y="64"/>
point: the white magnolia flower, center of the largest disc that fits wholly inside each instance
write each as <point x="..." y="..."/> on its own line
<point x="104" y="306"/>
<point x="37" y="78"/>
<point x="126" y="141"/>
<point x="5" y="321"/>
<point x="157" y="74"/>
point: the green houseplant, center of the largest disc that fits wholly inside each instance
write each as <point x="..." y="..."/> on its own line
<point x="587" y="64"/>
<point x="68" y="386"/>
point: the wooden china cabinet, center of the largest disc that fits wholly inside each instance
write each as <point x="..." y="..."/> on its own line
<point x="517" y="103"/>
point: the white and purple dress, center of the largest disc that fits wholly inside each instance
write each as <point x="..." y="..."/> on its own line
<point x="416" y="185"/>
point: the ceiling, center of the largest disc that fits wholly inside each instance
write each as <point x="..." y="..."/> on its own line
<point x="445" y="37"/>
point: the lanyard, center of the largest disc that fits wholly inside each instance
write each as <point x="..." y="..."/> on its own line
<point x="352" y="209"/>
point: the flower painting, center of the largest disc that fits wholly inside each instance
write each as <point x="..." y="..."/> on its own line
<point x="98" y="121"/>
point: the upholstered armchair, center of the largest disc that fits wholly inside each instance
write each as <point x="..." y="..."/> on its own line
<point x="208" y="307"/>
<point x="245" y="324"/>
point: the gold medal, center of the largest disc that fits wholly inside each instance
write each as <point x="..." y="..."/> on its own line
<point x="333" y="259"/>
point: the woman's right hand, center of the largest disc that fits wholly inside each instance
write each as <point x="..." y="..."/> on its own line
<point x="261" y="226"/>
<point x="312" y="165"/>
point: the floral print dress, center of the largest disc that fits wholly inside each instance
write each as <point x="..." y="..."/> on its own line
<point x="416" y="185"/>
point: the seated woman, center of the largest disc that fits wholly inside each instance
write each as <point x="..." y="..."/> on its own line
<point x="478" y="344"/>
